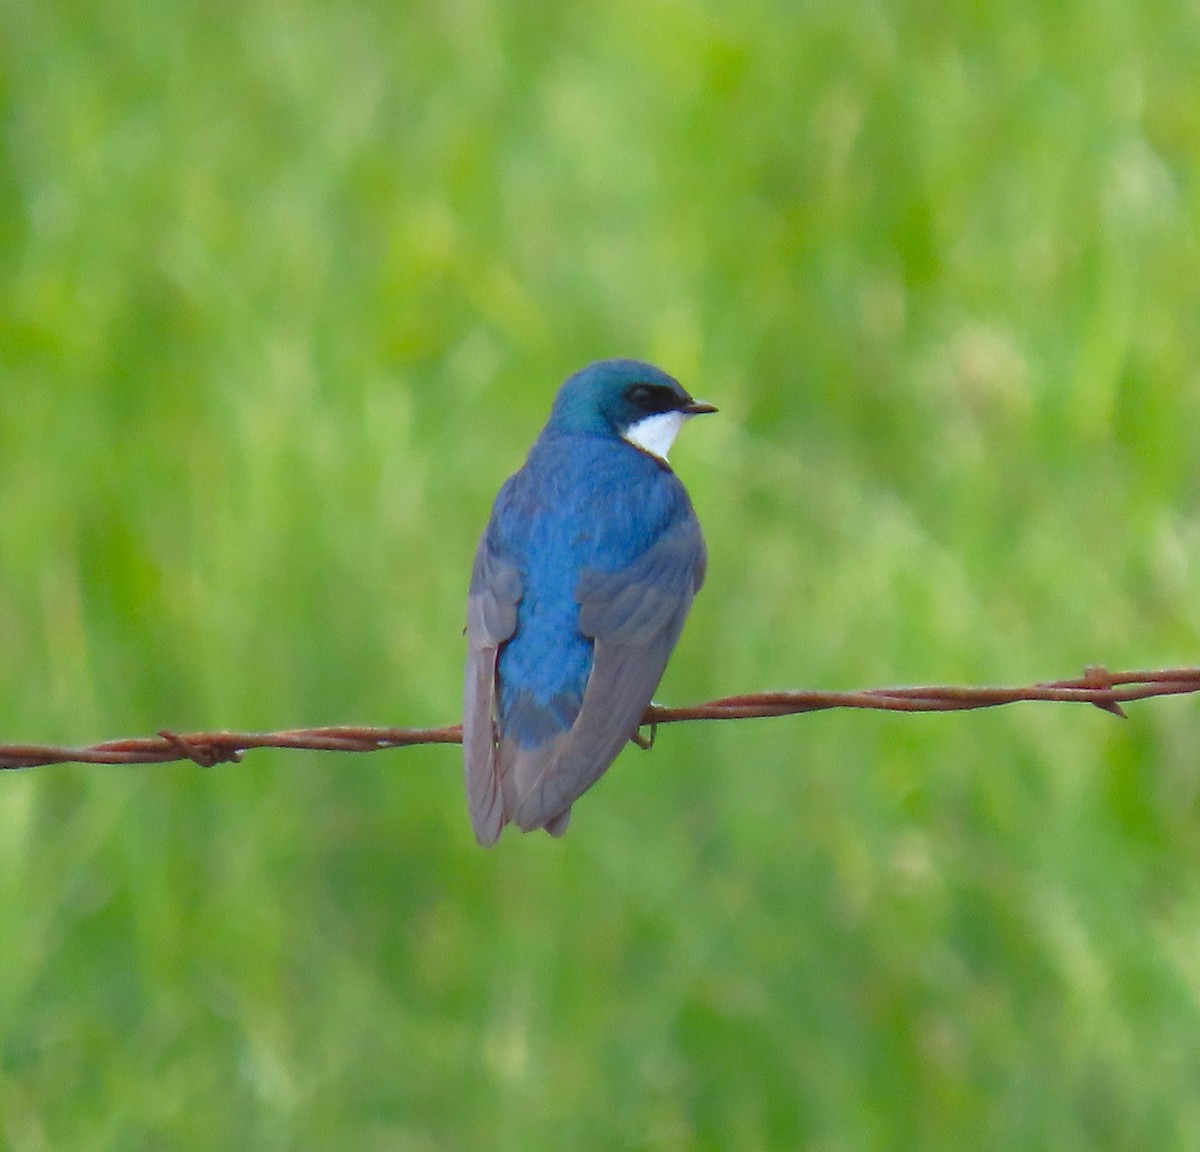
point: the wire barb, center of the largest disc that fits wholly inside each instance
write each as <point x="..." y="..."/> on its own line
<point x="207" y="755"/>
<point x="1097" y="687"/>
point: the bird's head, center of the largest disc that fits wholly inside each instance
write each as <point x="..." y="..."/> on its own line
<point x="628" y="399"/>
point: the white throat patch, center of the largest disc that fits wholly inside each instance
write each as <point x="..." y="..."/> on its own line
<point x="655" y="434"/>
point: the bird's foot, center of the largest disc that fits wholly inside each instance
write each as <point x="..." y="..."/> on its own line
<point x="645" y="743"/>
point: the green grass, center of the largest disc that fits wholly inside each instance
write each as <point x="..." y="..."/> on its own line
<point x="285" y="291"/>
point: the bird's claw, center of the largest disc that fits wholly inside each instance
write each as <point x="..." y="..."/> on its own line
<point x="645" y="743"/>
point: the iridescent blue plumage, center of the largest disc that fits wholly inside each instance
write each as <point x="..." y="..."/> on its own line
<point x="581" y="584"/>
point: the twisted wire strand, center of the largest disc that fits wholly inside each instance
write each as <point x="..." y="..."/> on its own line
<point x="1097" y="687"/>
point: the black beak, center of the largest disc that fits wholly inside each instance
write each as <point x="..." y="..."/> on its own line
<point x="697" y="408"/>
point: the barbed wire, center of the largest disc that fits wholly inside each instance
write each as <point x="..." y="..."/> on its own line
<point x="1098" y="687"/>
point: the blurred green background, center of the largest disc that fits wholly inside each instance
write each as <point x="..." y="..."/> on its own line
<point x="285" y="292"/>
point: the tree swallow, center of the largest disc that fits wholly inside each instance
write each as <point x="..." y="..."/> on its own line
<point x="581" y="584"/>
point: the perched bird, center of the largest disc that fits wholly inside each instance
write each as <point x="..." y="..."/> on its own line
<point x="580" y="587"/>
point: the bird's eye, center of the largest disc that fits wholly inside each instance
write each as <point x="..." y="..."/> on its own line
<point x="652" y="397"/>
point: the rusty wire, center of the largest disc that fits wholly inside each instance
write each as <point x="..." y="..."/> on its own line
<point x="1098" y="687"/>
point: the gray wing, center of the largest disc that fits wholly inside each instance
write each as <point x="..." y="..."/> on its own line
<point x="491" y="619"/>
<point x="635" y="617"/>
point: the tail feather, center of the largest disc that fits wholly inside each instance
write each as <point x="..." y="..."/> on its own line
<point x="530" y="799"/>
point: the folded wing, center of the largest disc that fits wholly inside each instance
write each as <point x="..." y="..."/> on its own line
<point x="635" y="617"/>
<point x="491" y="619"/>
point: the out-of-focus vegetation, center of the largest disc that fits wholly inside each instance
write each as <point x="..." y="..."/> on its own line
<point x="285" y="291"/>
